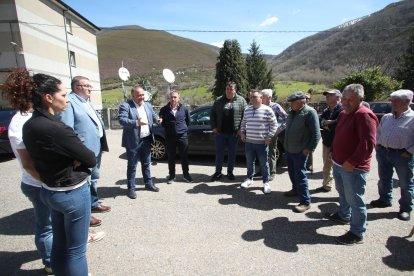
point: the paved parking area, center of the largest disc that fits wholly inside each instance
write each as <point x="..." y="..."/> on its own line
<point x="205" y="228"/>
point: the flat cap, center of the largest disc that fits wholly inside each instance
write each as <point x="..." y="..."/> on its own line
<point x="333" y="91"/>
<point x="403" y="94"/>
<point x="296" y="96"/>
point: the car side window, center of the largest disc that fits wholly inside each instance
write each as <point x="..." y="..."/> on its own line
<point x="201" y="118"/>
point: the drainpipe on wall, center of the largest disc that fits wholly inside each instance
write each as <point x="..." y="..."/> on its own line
<point x="67" y="43"/>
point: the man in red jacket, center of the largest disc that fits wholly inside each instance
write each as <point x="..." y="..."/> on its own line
<point x="352" y="149"/>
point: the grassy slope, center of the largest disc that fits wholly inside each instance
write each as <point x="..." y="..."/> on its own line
<point x="144" y="51"/>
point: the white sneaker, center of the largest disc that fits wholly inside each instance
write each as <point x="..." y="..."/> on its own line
<point x="266" y="188"/>
<point x="95" y="236"/>
<point x="246" y="183"/>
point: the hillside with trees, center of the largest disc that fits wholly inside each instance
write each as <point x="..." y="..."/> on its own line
<point x="374" y="40"/>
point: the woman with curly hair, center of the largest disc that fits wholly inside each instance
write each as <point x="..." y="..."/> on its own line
<point x="30" y="180"/>
<point x="60" y="161"/>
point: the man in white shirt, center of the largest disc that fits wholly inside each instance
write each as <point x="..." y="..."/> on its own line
<point x="395" y="149"/>
<point x="137" y="118"/>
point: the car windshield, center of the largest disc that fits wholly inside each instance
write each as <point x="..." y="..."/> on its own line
<point x="201" y="117"/>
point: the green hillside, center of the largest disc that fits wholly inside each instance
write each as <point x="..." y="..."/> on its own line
<point x="148" y="52"/>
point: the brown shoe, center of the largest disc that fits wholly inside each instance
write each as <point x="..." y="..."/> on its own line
<point x="101" y="209"/>
<point x="94" y="222"/>
<point x="301" y="208"/>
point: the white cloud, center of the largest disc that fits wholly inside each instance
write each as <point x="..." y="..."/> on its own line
<point x="218" y="44"/>
<point x="294" y="12"/>
<point x="269" y="21"/>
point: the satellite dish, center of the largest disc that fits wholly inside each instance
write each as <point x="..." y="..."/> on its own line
<point x="147" y="96"/>
<point x="168" y="75"/>
<point x="123" y="73"/>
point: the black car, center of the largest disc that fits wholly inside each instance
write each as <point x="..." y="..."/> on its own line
<point x="382" y="108"/>
<point x="5" y="118"/>
<point x="200" y="136"/>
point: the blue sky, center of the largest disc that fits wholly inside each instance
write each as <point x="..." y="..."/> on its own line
<point x="292" y="20"/>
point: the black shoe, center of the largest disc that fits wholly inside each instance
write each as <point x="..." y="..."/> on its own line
<point x="404" y="216"/>
<point x="152" y="187"/>
<point x="349" y="239"/>
<point x="170" y="179"/>
<point x="326" y="189"/>
<point x="187" y="177"/>
<point x="335" y="217"/>
<point x="216" y="176"/>
<point x="230" y="176"/>
<point x="132" y="194"/>
<point x="380" y="204"/>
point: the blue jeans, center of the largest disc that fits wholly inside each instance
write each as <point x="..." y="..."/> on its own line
<point x="43" y="230"/>
<point x="387" y="161"/>
<point x="231" y="141"/>
<point x="70" y="212"/>
<point x="351" y="190"/>
<point x="93" y="181"/>
<point x="143" y="154"/>
<point x="297" y="173"/>
<point x="261" y="151"/>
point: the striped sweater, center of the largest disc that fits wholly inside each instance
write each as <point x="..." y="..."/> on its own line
<point x="258" y="124"/>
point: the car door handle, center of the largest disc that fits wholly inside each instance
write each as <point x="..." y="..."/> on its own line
<point x="207" y="131"/>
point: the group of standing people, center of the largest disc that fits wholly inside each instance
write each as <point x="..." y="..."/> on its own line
<point x="349" y="130"/>
<point x="59" y="139"/>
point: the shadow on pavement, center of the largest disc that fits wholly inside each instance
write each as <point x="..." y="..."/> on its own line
<point x="11" y="263"/>
<point x="251" y="197"/>
<point x="294" y="232"/>
<point x="401" y="257"/>
<point x="20" y="223"/>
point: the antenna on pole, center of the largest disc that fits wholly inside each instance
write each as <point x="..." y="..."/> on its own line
<point x="124" y="76"/>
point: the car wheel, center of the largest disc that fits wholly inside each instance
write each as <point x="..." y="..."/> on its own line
<point x="158" y="149"/>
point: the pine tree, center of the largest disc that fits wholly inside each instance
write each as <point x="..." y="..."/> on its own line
<point x="230" y="66"/>
<point x="406" y="71"/>
<point x="258" y="77"/>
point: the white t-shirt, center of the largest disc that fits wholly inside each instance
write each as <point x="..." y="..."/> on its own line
<point x="142" y="114"/>
<point x="16" y="141"/>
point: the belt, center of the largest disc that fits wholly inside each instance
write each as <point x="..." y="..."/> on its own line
<point x="391" y="149"/>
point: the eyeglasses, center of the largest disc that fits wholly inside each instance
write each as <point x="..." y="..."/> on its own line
<point x="85" y="86"/>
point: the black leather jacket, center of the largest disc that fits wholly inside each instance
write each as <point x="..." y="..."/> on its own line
<point x="54" y="147"/>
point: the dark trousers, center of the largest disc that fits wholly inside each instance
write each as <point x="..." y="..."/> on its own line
<point x="174" y="140"/>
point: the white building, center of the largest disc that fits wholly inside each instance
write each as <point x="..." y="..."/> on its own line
<point x="48" y="36"/>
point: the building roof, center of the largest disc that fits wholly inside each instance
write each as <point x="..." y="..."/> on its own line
<point x="77" y="14"/>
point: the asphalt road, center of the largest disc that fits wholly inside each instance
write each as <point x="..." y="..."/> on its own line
<point x="205" y="228"/>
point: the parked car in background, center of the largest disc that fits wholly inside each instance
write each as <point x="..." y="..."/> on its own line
<point x="200" y="136"/>
<point x="382" y="108"/>
<point x="5" y="118"/>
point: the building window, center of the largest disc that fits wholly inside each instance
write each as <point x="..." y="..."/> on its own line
<point x="68" y="26"/>
<point x="72" y="59"/>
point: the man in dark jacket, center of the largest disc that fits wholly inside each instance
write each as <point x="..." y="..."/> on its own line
<point x="301" y="138"/>
<point x="327" y="121"/>
<point x="175" y="120"/>
<point x="137" y="118"/>
<point x="225" y="118"/>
